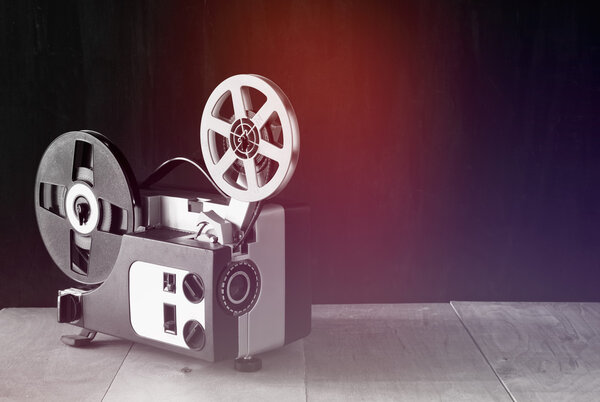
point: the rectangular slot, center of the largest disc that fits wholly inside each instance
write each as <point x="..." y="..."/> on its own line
<point x="170" y="318"/>
<point x="52" y="198"/>
<point x="80" y="257"/>
<point x="169" y="282"/>
<point x="84" y="156"/>
<point x="113" y="219"/>
<point x="83" y="162"/>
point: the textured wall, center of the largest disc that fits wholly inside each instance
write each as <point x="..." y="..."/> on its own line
<point x="450" y="149"/>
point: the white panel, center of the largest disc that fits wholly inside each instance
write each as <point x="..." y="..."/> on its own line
<point x="147" y="297"/>
<point x="175" y="214"/>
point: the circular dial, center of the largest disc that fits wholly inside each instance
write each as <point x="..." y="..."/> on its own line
<point x="193" y="288"/>
<point x="194" y="335"/>
<point x="239" y="287"/>
<point x="85" y="199"/>
<point x="249" y="137"/>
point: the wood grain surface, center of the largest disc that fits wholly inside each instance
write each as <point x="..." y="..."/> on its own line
<point x="538" y="351"/>
<point x="395" y="352"/>
<point x="541" y="351"/>
<point x="36" y="365"/>
<point x="150" y="373"/>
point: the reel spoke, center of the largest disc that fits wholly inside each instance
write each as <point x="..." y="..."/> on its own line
<point x="110" y="244"/>
<point x="60" y="223"/>
<point x="225" y="162"/>
<point x="111" y="192"/>
<point x="262" y="116"/>
<point x="250" y="170"/>
<point x="219" y="126"/>
<point x="240" y="97"/>
<point x="271" y="151"/>
<point x="61" y="236"/>
<point x="111" y="184"/>
<point x="56" y="173"/>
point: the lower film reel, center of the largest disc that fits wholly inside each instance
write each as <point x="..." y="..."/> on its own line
<point x="85" y="200"/>
<point x="249" y="137"/>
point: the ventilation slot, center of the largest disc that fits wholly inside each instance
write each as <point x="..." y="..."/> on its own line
<point x="80" y="253"/>
<point x="112" y="218"/>
<point x="52" y="198"/>
<point x="83" y="162"/>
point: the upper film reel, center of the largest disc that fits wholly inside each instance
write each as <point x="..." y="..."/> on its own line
<point x="85" y="199"/>
<point x="249" y="137"/>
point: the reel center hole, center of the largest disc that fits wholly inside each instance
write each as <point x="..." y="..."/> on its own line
<point x="82" y="210"/>
<point x="244" y="138"/>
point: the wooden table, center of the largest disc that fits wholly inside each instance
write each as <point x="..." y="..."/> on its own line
<point x="454" y="352"/>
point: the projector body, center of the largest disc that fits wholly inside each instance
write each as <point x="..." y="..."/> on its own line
<point x="137" y="303"/>
<point x="213" y="276"/>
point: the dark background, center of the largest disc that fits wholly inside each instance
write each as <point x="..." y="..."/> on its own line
<point x="450" y="149"/>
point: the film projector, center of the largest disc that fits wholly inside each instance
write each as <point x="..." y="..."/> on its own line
<point x="213" y="276"/>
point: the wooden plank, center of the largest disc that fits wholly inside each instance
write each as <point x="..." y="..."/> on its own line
<point x="541" y="351"/>
<point x="395" y="352"/>
<point x="36" y="365"/>
<point x="164" y="376"/>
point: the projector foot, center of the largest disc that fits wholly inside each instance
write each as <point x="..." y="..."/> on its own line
<point x="248" y="364"/>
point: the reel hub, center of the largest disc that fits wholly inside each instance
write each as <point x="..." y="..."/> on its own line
<point x="82" y="209"/>
<point x="244" y="138"/>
